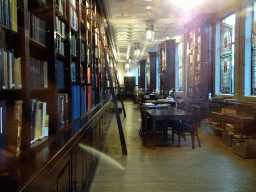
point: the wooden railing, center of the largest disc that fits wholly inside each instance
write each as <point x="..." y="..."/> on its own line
<point x="59" y="164"/>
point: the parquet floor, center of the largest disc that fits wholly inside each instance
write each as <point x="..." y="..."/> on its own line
<point x="213" y="167"/>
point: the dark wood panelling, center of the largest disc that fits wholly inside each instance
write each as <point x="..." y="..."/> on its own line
<point x="152" y="61"/>
<point x="142" y="74"/>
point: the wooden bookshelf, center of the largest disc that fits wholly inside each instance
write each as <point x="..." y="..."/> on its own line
<point x="51" y="37"/>
<point x="199" y="38"/>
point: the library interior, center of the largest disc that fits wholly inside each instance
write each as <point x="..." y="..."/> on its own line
<point x="128" y="95"/>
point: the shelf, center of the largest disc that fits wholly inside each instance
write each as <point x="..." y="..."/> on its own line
<point x="7" y="29"/>
<point x="57" y="33"/>
<point x="39" y="90"/>
<point x="61" y="57"/>
<point x="38" y="6"/>
<point x="36" y="43"/>
<point x="73" y="30"/>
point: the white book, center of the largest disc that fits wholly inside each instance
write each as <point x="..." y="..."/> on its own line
<point x="44" y="104"/>
<point x="46" y="126"/>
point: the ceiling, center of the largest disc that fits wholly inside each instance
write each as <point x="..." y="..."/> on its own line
<point x="129" y="19"/>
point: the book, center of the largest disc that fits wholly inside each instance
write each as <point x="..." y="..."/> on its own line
<point x="2" y="70"/>
<point x="2" y="131"/>
<point x="82" y="92"/>
<point x="44" y="113"/>
<point x="14" y="124"/>
<point x="14" y="15"/>
<point x="46" y="126"/>
<point x="45" y="74"/>
<point x="66" y="103"/>
<point x="73" y="72"/>
<point x="75" y="102"/>
<point x="89" y="75"/>
<point x="39" y="120"/>
<point x="60" y="111"/>
<point x="82" y="73"/>
<point x="18" y="110"/>
<point x="33" y="108"/>
<point x="17" y="73"/>
<point x="60" y="75"/>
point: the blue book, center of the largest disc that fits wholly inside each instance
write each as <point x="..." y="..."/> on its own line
<point x="60" y="112"/>
<point x="75" y="102"/>
<point x="60" y="75"/>
<point x="82" y="100"/>
<point x="2" y="131"/>
<point x="33" y="117"/>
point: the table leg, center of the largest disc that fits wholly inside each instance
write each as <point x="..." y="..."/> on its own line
<point x="154" y="133"/>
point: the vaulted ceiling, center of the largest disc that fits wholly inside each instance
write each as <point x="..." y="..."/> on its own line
<point x="130" y="18"/>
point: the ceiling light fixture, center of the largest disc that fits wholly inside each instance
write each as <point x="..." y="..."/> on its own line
<point x="137" y="50"/>
<point x="150" y="33"/>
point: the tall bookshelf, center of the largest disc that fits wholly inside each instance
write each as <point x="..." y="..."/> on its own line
<point x="199" y="56"/>
<point x="167" y="66"/>
<point x="52" y="70"/>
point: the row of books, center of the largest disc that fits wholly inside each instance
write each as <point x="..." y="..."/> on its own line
<point x="73" y="44"/>
<point x="61" y="75"/>
<point x="60" y="45"/>
<point x="39" y="120"/>
<point x="62" y="110"/>
<point x="74" y="19"/>
<point x="8" y="14"/>
<point x="60" y="27"/>
<point x="10" y="70"/>
<point x="61" y="6"/>
<point x="78" y="99"/>
<point x="37" y="29"/>
<point x="38" y="74"/>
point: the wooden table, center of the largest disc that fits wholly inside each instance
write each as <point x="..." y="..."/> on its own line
<point x="172" y="113"/>
<point x="162" y="101"/>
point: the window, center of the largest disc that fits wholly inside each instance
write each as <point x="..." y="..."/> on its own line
<point x="157" y="72"/>
<point x="227" y="45"/>
<point x="179" y="67"/>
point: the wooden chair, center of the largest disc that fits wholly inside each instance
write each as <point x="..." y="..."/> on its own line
<point x="182" y="129"/>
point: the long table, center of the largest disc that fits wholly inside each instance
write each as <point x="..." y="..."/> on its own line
<point x="172" y="113"/>
<point x="162" y="101"/>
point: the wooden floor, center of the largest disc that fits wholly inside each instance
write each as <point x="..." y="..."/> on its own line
<point x="213" y="167"/>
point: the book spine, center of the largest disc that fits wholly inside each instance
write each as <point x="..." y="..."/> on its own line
<point x="17" y="73"/>
<point x="44" y="105"/>
<point x="2" y="68"/>
<point x="45" y="72"/>
<point x="2" y="129"/>
<point x="32" y="116"/>
<point x="14" y="15"/>
<point x="18" y="108"/>
<point x="59" y="111"/>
